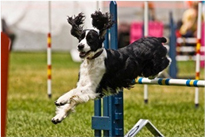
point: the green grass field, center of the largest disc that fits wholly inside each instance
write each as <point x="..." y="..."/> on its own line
<point x="170" y="109"/>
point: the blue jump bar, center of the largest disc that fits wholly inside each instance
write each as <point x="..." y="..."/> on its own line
<point x="173" y="82"/>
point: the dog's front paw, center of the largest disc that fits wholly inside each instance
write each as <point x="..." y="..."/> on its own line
<point x="61" y="113"/>
<point x="65" y="99"/>
<point x="62" y="100"/>
<point x="58" y="118"/>
<point x="60" y="103"/>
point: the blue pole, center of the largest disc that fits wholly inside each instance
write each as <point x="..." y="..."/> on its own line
<point x="116" y="110"/>
<point x="100" y="122"/>
<point x="106" y="99"/>
<point x="172" y="48"/>
<point x="113" y="30"/>
<point x="112" y="120"/>
<point x="97" y="112"/>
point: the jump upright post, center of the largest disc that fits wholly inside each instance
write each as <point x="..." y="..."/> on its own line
<point x="172" y="47"/>
<point x="111" y="122"/>
<point x="198" y="46"/>
<point x="49" y="51"/>
<point x="146" y="29"/>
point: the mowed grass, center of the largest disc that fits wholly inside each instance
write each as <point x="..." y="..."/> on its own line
<point x="170" y="108"/>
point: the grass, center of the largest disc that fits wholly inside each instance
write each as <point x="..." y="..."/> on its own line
<point x="170" y="109"/>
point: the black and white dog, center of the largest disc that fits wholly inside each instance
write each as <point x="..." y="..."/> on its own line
<point x="105" y="70"/>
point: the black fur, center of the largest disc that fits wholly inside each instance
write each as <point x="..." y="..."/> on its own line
<point x="102" y="22"/>
<point x="145" y="57"/>
<point x="76" y="24"/>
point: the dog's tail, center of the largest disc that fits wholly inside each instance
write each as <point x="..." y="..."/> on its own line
<point x="162" y="39"/>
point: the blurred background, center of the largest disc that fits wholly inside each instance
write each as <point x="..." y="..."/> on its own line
<point x="30" y="110"/>
<point x="28" y="20"/>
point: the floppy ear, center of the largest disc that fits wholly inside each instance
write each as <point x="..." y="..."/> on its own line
<point x="76" y="23"/>
<point x="102" y="22"/>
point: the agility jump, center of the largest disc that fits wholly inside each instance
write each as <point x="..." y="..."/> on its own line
<point x="171" y="82"/>
<point x="110" y="121"/>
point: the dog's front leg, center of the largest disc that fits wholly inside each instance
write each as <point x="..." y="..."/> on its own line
<point x="61" y="113"/>
<point x="67" y="102"/>
<point x="62" y="100"/>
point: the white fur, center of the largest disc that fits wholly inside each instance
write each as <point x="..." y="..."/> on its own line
<point x="91" y="73"/>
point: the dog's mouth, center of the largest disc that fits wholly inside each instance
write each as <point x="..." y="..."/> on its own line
<point x="84" y="54"/>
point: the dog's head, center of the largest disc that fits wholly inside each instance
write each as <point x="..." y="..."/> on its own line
<point x="90" y="40"/>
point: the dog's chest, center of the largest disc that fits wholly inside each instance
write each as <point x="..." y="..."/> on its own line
<point x="91" y="72"/>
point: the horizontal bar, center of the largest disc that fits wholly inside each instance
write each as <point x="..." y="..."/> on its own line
<point x="100" y="123"/>
<point x="173" y="82"/>
<point x="189" y="48"/>
<point x="188" y="57"/>
<point x="186" y="40"/>
<point x="186" y="49"/>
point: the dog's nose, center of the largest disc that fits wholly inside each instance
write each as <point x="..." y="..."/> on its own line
<point x="80" y="46"/>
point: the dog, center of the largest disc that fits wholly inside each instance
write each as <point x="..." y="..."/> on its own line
<point x="106" y="71"/>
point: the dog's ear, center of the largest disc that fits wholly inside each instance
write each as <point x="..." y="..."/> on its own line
<point x="76" y="23"/>
<point x="102" y="22"/>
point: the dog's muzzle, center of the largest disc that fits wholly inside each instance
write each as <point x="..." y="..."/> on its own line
<point x="83" y="53"/>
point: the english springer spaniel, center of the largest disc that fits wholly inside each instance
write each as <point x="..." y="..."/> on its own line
<point x="105" y="71"/>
